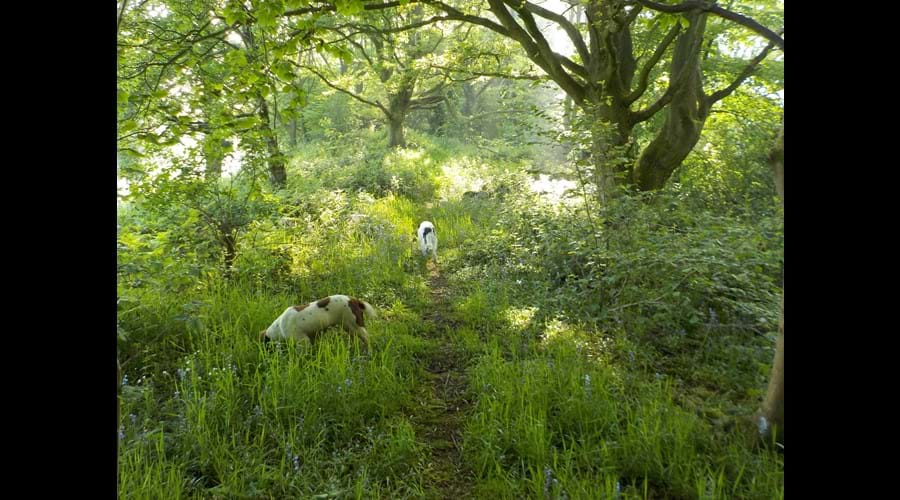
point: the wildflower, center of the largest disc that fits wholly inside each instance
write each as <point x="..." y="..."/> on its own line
<point x="124" y="380"/>
<point x="121" y="432"/>
<point x="763" y="425"/>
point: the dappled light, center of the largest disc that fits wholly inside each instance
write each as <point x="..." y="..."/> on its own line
<point x="593" y="310"/>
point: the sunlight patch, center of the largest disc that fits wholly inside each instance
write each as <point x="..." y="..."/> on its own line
<point x="555" y="329"/>
<point x="551" y="189"/>
<point x="520" y="318"/>
<point x="460" y="175"/>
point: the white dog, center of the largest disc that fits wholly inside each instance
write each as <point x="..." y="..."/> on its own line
<point x="427" y="239"/>
<point x="304" y="322"/>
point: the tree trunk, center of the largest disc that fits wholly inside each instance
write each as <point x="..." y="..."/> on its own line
<point x="304" y="132"/>
<point x="277" y="172"/>
<point x="470" y="99"/>
<point x="398" y="107"/>
<point x="292" y="131"/>
<point x="610" y="133"/>
<point x="396" y="132"/>
<point x="685" y="115"/>
<point x="230" y="243"/>
<point x="773" y="406"/>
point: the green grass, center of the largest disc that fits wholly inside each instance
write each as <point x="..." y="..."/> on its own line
<point x="561" y="407"/>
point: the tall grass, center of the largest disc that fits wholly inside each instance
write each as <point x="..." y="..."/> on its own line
<point x="561" y="407"/>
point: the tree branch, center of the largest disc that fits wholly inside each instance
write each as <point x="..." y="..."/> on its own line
<point x="538" y="52"/>
<point x="564" y="23"/>
<point x="375" y="104"/>
<point x="644" y="77"/>
<point x="119" y="20"/>
<point x="456" y="15"/>
<point x="720" y="94"/>
<point x="331" y="7"/>
<point x="487" y="73"/>
<point x="712" y="8"/>
<point x="649" y="111"/>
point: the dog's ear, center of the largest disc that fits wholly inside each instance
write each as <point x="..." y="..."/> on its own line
<point x="262" y="336"/>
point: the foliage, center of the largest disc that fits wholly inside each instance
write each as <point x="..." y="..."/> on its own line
<point x="566" y="344"/>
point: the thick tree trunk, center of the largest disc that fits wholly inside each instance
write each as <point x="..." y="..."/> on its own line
<point x="398" y="108"/>
<point x="773" y="406"/>
<point x="396" y="132"/>
<point x="685" y="115"/>
<point x="610" y="133"/>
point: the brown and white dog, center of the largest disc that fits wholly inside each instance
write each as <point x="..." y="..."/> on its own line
<point x="304" y="322"/>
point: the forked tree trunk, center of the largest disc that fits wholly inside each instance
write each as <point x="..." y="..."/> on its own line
<point x="685" y="116"/>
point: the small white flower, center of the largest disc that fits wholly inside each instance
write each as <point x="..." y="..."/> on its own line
<point x="763" y="425"/>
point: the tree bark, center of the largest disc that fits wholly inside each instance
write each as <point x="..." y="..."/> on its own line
<point x="293" y="132"/>
<point x="685" y="116"/>
<point x="396" y="132"/>
<point x="773" y="406"/>
<point x="277" y="172"/>
<point x="606" y="72"/>
<point x="398" y="107"/>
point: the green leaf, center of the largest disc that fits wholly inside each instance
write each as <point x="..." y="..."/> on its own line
<point x="299" y="99"/>
<point x="296" y="4"/>
<point x="130" y="240"/>
<point x="349" y="7"/>
<point x="234" y="13"/>
<point x="346" y="56"/>
<point x="268" y="12"/>
<point x="236" y="59"/>
<point x="127" y="126"/>
<point x="246" y="122"/>
<point x="283" y="70"/>
<point x="265" y="19"/>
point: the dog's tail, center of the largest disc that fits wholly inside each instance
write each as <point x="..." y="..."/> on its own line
<point x="368" y="310"/>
